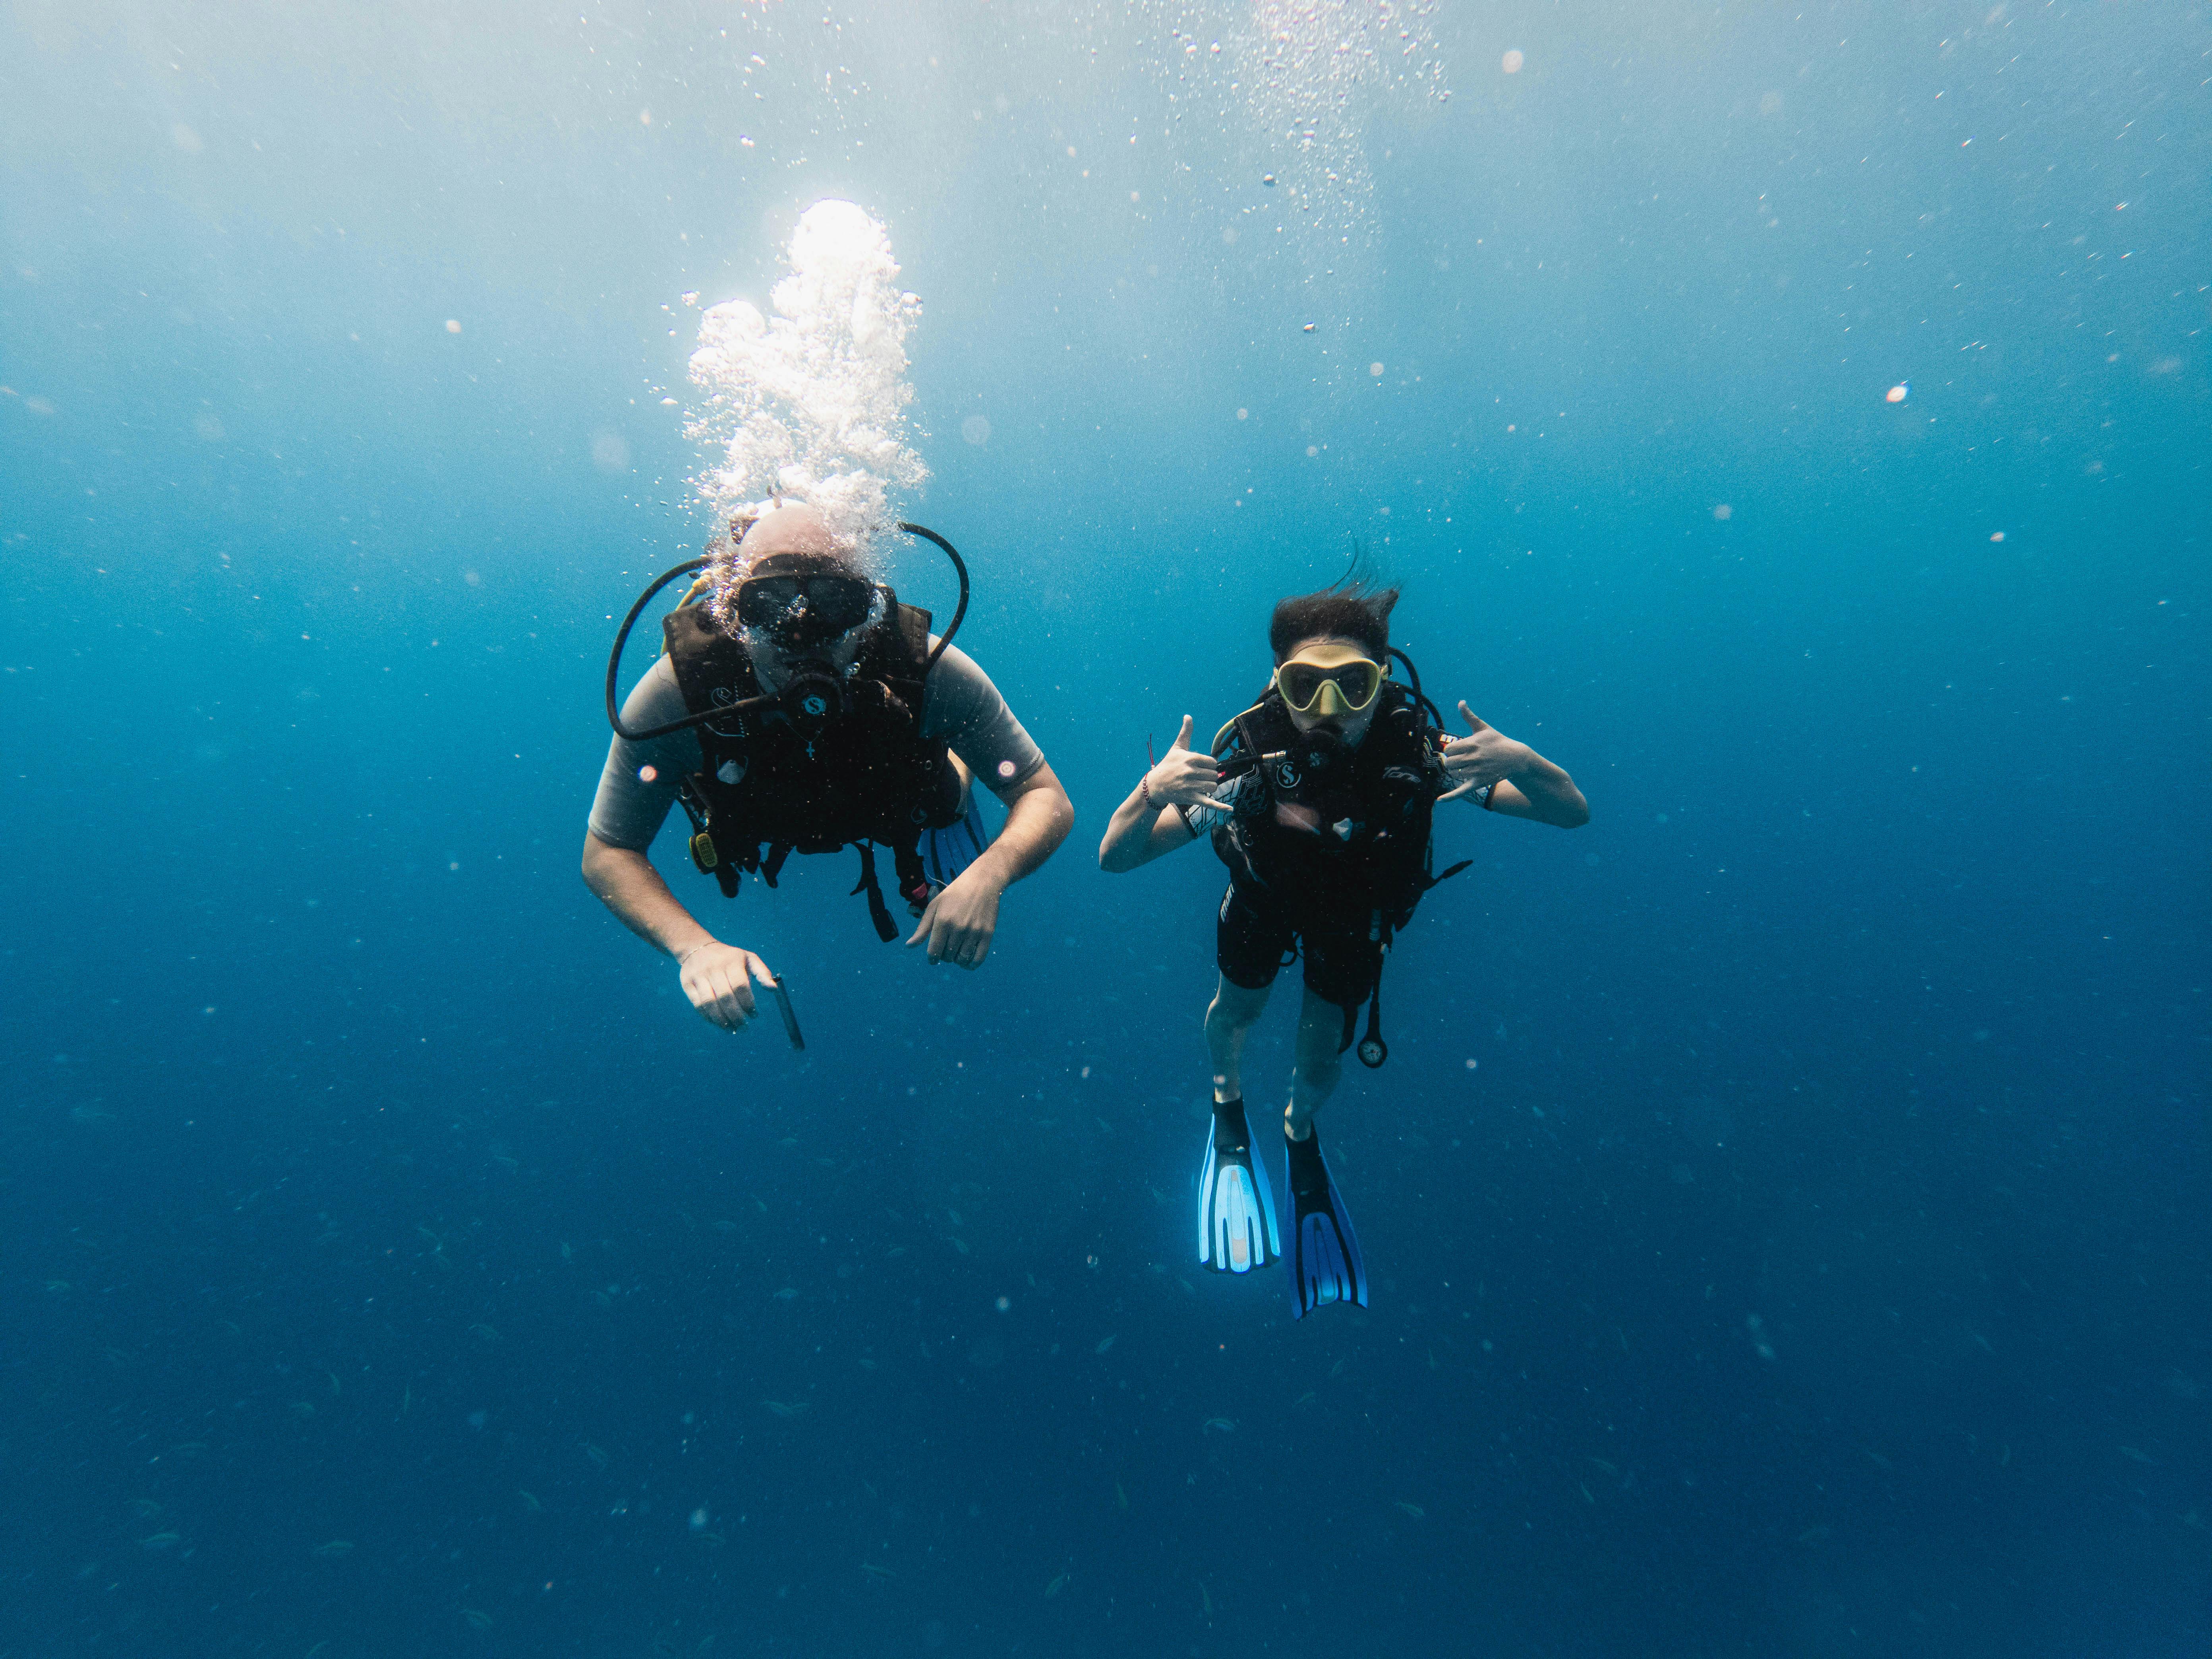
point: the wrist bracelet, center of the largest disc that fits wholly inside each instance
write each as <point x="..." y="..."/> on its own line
<point x="690" y="953"/>
<point x="1144" y="788"/>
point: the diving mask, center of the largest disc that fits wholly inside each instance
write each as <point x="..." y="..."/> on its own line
<point x="1329" y="680"/>
<point x="804" y="610"/>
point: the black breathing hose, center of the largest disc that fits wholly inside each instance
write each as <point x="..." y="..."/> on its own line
<point x="1420" y="697"/>
<point x="960" y="612"/>
<point x="614" y="664"/>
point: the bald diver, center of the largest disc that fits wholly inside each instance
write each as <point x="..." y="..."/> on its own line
<point x="801" y="707"/>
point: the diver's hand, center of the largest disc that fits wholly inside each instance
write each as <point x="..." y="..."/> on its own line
<point x="720" y="978"/>
<point x="1483" y="757"/>
<point x="1184" y="777"/>
<point x="961" y="920"/>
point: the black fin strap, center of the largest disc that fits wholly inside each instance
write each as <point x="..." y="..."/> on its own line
<point x="885" y="929"/>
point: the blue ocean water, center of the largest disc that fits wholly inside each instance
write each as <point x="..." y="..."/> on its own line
<point x="1787" y="1197"/>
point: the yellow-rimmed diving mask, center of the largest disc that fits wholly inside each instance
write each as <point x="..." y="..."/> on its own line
<point x="1329" y="680"/>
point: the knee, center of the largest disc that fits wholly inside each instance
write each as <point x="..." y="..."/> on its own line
<point x="1320" y="1070"/>
<point x="1233" y="1008"/>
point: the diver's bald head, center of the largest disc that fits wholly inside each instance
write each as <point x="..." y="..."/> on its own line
<point x="793" y="529"/>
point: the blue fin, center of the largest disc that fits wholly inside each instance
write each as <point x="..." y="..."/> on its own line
<point x="1325" y="1262"/>
<point x="1235" y="1211"/>
<point x="946" y="853"/>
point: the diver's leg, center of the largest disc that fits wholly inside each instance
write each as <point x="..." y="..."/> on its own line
<point x="1320" y="1063"/>
<point x="1230" y="1018"/>
<point x="1250" y="943"/>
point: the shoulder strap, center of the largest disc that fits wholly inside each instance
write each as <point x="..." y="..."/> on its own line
<point x="896" y="652"/>
<point x="910" y="626"/>
<point x="712" y="669"/>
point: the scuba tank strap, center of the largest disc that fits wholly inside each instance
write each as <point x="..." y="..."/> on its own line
<point x="878" y="912"/>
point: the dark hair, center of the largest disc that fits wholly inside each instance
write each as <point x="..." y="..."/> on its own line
<point x="1354" y="607"/>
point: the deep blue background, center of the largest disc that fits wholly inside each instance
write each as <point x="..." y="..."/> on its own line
<point x="360" y="1176"/>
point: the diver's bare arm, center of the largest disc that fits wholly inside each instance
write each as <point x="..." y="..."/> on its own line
<point x="1523" y="783"/>
<point x="718" y="978"/>
<point x="961" y="920"/>
<point x="625" y="881"/>
<point x="1147" y="825"/>
<point x="1138" y="832"/>
<point x="1038" y="818"/>
<point x="1544" y="792"/>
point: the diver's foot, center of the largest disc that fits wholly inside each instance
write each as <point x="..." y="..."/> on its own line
<point x="1235" y="1211"/>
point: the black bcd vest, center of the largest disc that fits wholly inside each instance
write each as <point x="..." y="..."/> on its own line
<point x="858" y="775"/>
<point x="1369" y="865"/>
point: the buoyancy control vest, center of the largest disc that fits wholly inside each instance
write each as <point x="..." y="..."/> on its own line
<point x="1365" y="867"/>
<point x="841" y="762"/>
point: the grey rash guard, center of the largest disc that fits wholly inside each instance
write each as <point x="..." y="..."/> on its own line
<point x="959" y="704"/>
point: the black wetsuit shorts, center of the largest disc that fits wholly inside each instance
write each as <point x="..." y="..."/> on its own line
<point x="1255" y="936"/>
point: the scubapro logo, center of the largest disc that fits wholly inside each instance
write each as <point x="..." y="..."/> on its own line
<point x="1286" y="775"/>
<point x="814" y="706"/>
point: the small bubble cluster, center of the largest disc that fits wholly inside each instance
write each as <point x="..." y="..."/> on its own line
<point x="1304" y="75"/>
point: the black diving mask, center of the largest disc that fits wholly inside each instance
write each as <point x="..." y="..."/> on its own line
<point x="804" y="613"/>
